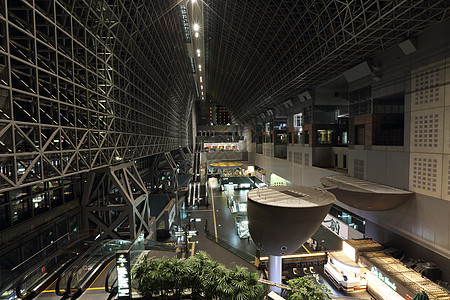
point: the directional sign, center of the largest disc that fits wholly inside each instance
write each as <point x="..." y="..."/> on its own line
<point x="123" y="274"/>
<point x="190" y="233"/>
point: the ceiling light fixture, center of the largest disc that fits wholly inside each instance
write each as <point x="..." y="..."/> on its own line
<point x="196" y="27"/>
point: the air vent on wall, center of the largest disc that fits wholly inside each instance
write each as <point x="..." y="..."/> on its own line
<point x="288" y="104"/>
<point x="304" y="96"/>
<point x="409" y="46"/>
<point x="358" y="72"/>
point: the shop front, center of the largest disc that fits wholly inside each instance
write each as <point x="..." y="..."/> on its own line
<point x="341" y="229"/>
<point x="387" y="277"/>
<point x="344" y="272"/>
<point x="394" y="276"/>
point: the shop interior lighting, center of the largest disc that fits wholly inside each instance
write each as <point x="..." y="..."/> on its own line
<point x="198" y="52"/>
<point x="196" y="34"/>
<point x="201" y="79"/>
<point x="349" y="251"/>
<point x="264" y="258"/>
<point x="196" y="27"/>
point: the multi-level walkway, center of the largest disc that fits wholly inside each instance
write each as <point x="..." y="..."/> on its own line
<point x="216" y="235"/>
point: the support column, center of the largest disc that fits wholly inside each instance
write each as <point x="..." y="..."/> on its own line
<point x="275" y="268"/>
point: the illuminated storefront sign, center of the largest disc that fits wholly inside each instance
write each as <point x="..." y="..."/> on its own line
<point x="383" y="278"/>
<point x="123" y="274"/>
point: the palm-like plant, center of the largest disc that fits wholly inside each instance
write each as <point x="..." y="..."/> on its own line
<point x="207" y="278"/>
<point x="178" y="273"/>
<point x="306" y="288"/>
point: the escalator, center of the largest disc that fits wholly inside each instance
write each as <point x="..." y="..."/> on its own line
<point x="84" y="265"/>
<point x="35" y="279"/>
<point x="72" y="268"/>
<point x="80" y="275"/>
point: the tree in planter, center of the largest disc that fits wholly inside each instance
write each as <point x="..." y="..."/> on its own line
<point x="306" y="288"/>
<point x="144" y="279"/>
<point x="207" y="278"/>
<point x="200" y="268"/>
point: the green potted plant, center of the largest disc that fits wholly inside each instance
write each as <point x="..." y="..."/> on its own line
<point x="306" y="288"/>
<point x="200" y="275"/>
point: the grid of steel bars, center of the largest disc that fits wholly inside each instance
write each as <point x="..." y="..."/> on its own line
<point x="89" y="83"/>
<point x="261" y="53"/>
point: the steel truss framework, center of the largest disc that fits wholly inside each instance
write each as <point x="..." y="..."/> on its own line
<point x="116" y="203"/>
<point x="260" y="53"/>
<point x="89" y="83"/>
<point x="161" y="174"/>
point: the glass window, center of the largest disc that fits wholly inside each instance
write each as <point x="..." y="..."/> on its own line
<point x="30" y="248"/>
<point x="40" y="203"/>
<point x="54" y="184"/>
<point x="5" y="217"/>
<point x="55" y="197"/>
<point x="298" y="139"/>
<point x="307" y="137"/>
<point x="324" y="136"/>
<point x="4" y="197"/>
<point x="20" y="210"/>
<point x="8" y="261"/>
<point x="48" y="238"/>
<point x="298" y="119"/>
<point x="68" y="193"/>
<point x="79" y="188"/>
<point x="62" y="228"/>
<point x="345" y="138"/>
<point x="18" y="193"/>
<point x="73" y="227"/>
<point x="38" y="188"/>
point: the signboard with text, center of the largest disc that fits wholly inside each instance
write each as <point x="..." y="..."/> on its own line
<point x="123" y="274"/>
<point x="340" y="228"/>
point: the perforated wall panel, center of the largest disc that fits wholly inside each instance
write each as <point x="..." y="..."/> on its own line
<point x="358" y="168"/>
<point x="427" y="86"/>
<point x="446" y="178"/>
<point x="447" y="128"/>
<point x="427" y="127"/>
<point x="307" y="159"/>
<point x="426" y="170"/>
<point x="298" y="157"/>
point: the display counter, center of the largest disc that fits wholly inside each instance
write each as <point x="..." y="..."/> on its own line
<point x="396" y="276"/>
<point x="344" y="272"/>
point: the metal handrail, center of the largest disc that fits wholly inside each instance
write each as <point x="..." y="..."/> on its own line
<point x="76" y="266"/>
<point x="34" y="292"/>
<point x="107" y="287"/>
<point x="42" y="250"/>
<point x="37" y="286"/>
<point x="238" y="252"/>
<point x="86" y="261"/>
